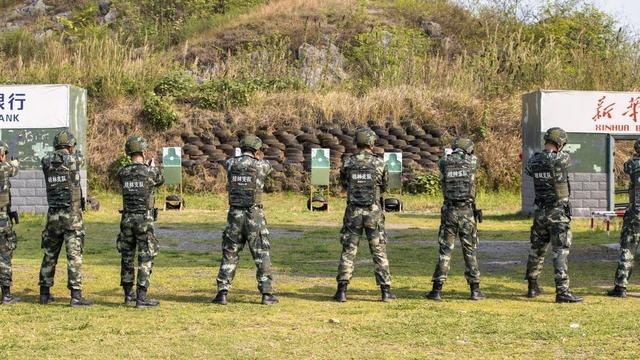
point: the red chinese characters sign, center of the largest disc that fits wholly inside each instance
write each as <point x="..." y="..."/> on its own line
<point x="591" y="111"/>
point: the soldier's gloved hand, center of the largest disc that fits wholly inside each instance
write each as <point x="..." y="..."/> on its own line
<point x="15" y="163"/>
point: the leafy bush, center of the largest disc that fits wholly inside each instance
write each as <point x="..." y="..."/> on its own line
<point x="157" y="111"/>
<point x="423" y="183"/>
<point x="223" y="94"/>
<point x="175" y="83"/>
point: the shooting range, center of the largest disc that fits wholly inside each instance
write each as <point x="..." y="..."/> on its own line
<point x="30" y="116"/>
<point x="320" y="170"/>
<point x="594" y="121"/>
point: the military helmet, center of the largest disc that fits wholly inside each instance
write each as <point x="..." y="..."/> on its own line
<point x="365" y="137"/>
<point x="556" y="135"/>
<point x="64" y="138"/>
<point x="636" y="146"/>
<point x="251" y="142"/>
<point x="135" y="144"/>
<point x="4" y="148"/>
<point x="464" y="144"/>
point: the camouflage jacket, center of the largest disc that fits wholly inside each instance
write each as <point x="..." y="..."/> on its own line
<point x="458" y="176"/>
<point x="62" y="177"/>
<point x="349" y="177"/>
<point x="7" y="170"/>
<point x="632" y="168"/>
<point x="245" y="179"/>
<point x="138" y="182"/>
<point x="550" y="173"/>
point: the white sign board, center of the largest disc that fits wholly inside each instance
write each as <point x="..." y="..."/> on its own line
<point x="591" y="111"/>
<point x="34" y="106"/>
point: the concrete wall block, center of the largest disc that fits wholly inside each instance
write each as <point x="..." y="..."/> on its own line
<point x="578" y="185"/>
<point x="603" y="186"/>
<point x="591" y="203"/>
<point x="581" y="194"/>
<point x="27" y="174"/>
<point x="603" y="204"/>
<point x="598" y="195"/>
<point x="584" y="177"/>
<point x="591" y="186"/>
<point x="600" y="177"/>
<point x="576" y="203"/>
<point x="17" y="183"/>
<point x="581" y="212"/>
<point x="41" y="209"/>
<point x="25" y="192"/>
<point x="18" y="201"/>
<point x="41" y="192"/>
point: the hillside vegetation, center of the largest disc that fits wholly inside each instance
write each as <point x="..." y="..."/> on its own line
<point x="178" y="67"/>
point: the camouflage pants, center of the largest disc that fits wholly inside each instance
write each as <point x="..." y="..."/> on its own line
<point x="629" y="240"/>
<point x="136" y="231"/>
<point x="550" y="225"/>
<point x="457" y="222"/>
<point x="7" y="245"/>
<point x="370" y="221"/>
<point x="63" y="227"/>
<point x="245" y="226"/>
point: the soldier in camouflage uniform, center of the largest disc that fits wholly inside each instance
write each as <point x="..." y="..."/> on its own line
<point x="458" y="217"/>
<point x="630" y="236"/>
<point x="365" y="177"/>
<point x="138" y="181"/>
<point x="64" y="219"/>
<point x="552" y="217"/>
<point x="246" y="224"/>
<point x="7" y="235"/>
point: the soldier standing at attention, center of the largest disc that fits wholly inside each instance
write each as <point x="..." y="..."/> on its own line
<point x="552" y="217"/>
<point x="629" y="238"/>
<point x="245" y="221"/>
<point x="7" y="236"/>
<point x="365" y="177"/>
<point x="64" y="219"/>
<point x="458" y="217"/>
<point x="138" y="181"/>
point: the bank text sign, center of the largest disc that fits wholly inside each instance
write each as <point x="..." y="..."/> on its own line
<point x="591" y="111"/>
<point x="34" y="106"/>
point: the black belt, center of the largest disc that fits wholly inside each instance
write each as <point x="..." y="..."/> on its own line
<point x="458" y="204"/>
<point x="259" y="206"/>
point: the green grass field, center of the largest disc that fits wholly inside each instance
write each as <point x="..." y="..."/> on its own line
<point x="306" y="323"/>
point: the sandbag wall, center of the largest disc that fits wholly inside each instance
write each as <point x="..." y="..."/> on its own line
<point x="289" y="150"/>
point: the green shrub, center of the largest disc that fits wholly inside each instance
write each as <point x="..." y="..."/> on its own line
<point x="223" y="94"/>
<point x="175" y="83"/>
<point x="423" y="183"/>
<point x="157" y="111"/>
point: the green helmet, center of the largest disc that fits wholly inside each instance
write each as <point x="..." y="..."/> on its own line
<point x="463" y="143"/>
<point x="64" y="138"/>
<point x="135" y="144"/>
<point x="4" y="148"/>
<point x="251" y="142"/>
<point x="365" y="137"/>
<point x="556" y="135"/>
<point x="636" y="146"/>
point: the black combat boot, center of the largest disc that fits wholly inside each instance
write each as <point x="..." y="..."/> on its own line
<point x="534" y="289"/>
<point x="7" y="298"/>
<point x="386" y="293"/>
<point x="45" y="295"/>
<point x="341" y="293"/>
<point x="567" y="297"/>
<point x="269" y="299"/>
<point x="77" y="300"/>
<point x="129" y="297"/>
<point x="618" y="291"/>
<point x="475" y="292"/>
<point x="435" y="292"/>
<point x="221" y="298"/>
<point x="143" y="301"/>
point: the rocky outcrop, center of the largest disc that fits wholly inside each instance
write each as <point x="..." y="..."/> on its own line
<point x="321" y="65"/>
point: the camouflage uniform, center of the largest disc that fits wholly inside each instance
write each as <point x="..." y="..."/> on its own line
<point x="7" y="235"/>
<point x="365" y="176"/>
<point x="552" y="216"/>
<point x="457" y="215"/>
<point x="246" y="224"/>
<point x="138" y="182"/>
<point x="64" y="219"/>
<point x="630" y="236"/>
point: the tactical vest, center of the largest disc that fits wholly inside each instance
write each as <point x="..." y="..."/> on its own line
<point x="137" y="189"/>
<point x="458" y="178"/>
<point x="362" y="188"/>
<point x="551" y="184"/>
<point x="243" y="185"/>
<point x="5" y="187"/>
<point x="634" y="185"/>
<point x="62" y="177"/>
